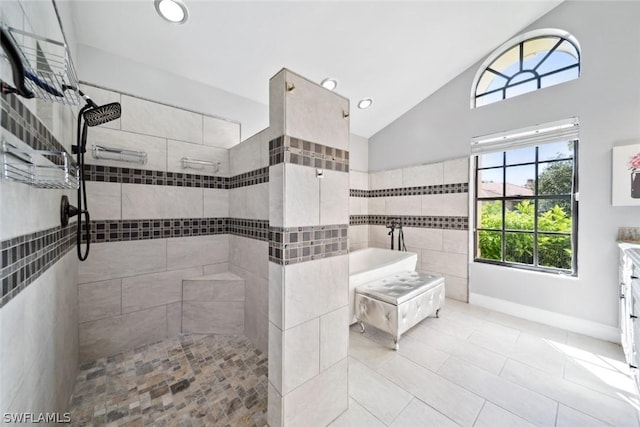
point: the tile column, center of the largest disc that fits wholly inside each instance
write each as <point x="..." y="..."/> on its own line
<point x="308" y="261"/>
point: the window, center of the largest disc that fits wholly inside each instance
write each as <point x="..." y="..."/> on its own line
<point x="527" y="63"/>
<point x="525" y="205"/>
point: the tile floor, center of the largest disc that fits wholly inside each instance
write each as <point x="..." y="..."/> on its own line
<point x="191" y="380"/>
<point x="476" y="367"/>
<point x="471" y="367"/>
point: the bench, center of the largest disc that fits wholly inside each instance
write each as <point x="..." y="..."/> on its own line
<point x="398" y="302"/>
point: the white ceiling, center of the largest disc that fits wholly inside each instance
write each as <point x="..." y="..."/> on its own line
<point x="397" y="53"/>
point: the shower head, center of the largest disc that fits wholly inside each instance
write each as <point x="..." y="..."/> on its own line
<point x="103" y="114"/>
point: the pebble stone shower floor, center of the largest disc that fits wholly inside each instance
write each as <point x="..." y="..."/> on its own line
<point x="189" y="380"/>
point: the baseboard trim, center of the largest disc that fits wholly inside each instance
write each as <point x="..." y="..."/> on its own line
<point x="558" y="320"/>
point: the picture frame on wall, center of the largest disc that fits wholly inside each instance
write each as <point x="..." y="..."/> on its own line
<point x="625" y="181"/>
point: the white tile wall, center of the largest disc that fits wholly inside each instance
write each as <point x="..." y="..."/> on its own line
<point x="121" y="259"/>
<point x="334" y="337"/>
<point x="358" y="180"/>
<point x="155" y="147"/>
<point x="151" y="118"/>
<point x="301" y="354"/>
<point x="312" y="289"/>
<point x="418" y="176"/>
<point x="256" y="313"/>
<point x="116" y="334"/>
<point x="213" y="317"/>
<point x="276" y="195"/>
<point x="456" y="204"/>
<point x="276" y="104"/>
<point x="220" y="133"/>
<point x="247" y="155"/>
<point x="385" y="179"/>
<point x="161" y="201"/>
<point x="183" y="252"/>
<point x="249" y="254"/>
<point x="320" y="400"/>
<point x="257" y="201"/>
<point x="238" y="202"/>
<point x="151" y="290"/>
<point x="334" y="198"/>
<point x="302" y="196"/>
<point x="215" y="203"/>
<point x="104" y="200"/>
<point x="176" y="150"/>
<point x="403" y="205"/>
<point x="98" y="300"/>
<point x="456" y="171"/>
<point x="276" y="296"/>
<point x="315" y="114"/>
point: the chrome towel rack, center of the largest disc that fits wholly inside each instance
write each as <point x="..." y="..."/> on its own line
<point x="101" y="152"/>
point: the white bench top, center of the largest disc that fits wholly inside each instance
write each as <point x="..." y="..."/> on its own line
<point x="400" y="287"/>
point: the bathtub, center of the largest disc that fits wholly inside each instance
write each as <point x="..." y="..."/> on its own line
<point x="370" y="264"/>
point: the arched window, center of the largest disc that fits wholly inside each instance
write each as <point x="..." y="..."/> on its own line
<point x="526" y="63"/>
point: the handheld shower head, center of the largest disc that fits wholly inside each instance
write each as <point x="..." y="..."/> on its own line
<point x="103" y="114"/>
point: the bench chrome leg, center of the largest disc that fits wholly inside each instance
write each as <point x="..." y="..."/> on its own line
<point x="361" y="328"/>
<point x="438" y="313"/>
<point x="396" y="346"/>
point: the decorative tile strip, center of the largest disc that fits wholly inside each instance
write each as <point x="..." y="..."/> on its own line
<point x="413" y="191"/>
<point x="145" y="229"/>
<point x="27" y="257"/>
<point x="253" y="177"/>
<point x="358" y="193"/>
<point x="17" y="119"/>
<point x="252" y="228"/>
<point x="150" y="177"/>
<point x="286" y="149"/>
<point x="441" y="222"/>
<point x="359" y="220"/>
<point x="299" y="244"/>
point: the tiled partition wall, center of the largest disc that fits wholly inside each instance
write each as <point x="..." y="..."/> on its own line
<point x="432" y="201"/>
<point x="308" y="261"/>
<point x="38" y="271"/>
<point x="153" y="224"/>
<point x="249" y="255"/>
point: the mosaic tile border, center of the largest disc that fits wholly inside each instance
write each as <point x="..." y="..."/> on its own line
<point x="286" y="149"/>
<point x="462" y="187"/>
<point x="439" y="222"/>
<point x="254" y="177"/>
<point x="27" y="257"/>
<point x="107" y="231"/>
<point x="257" y="229"/>
<point x="299" y="244"/>
<point x="120" y="175"/>
<point x="100" y="173"/>
<point x="18" y="120"/>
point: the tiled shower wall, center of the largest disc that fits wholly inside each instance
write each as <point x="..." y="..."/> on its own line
<point x="433" y="203"/>
<point x="248" y="257"/>
<point x="153" y="224"/>
<point x="38" y="273"/>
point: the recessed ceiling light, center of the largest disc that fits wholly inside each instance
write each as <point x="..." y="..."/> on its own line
<point x="328" y="83"/>
<point x="365" y="103"/>
<point x="174" y="11"/>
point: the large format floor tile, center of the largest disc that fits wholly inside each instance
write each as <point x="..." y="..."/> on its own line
<point x="481" y="368"/>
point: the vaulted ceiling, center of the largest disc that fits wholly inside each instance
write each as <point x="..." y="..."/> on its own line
<point x="396" y="53"/>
